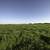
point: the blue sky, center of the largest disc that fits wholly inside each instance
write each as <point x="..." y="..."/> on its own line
<point x="24" y="11"/>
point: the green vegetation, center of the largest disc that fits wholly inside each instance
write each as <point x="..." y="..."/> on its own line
<point x="25" y="37"/>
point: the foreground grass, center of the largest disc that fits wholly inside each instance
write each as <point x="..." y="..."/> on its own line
<point x="25" y="37"/>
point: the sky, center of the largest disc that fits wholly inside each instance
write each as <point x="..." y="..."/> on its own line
<point x="24" y="11"/>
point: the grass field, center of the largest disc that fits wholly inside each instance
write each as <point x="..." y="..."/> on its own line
<point x="25" y="36"/>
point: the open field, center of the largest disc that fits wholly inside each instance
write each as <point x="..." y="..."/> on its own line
<point x="25" y="36"/>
